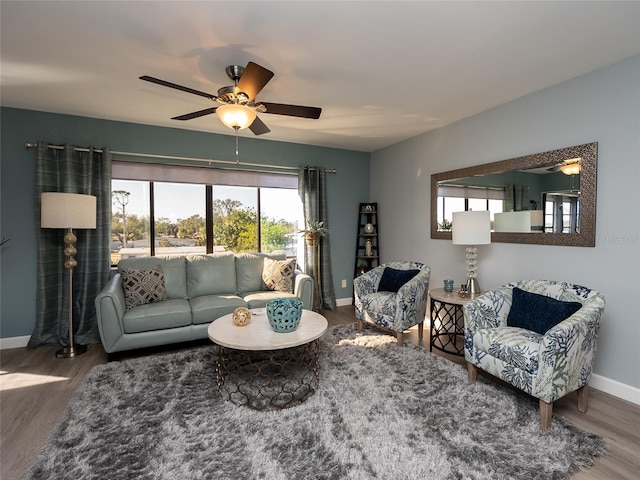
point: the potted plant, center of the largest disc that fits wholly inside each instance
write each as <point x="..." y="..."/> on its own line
<point x="313" y="232"/>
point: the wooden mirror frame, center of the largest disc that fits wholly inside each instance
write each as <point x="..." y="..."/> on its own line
<point x="587" y="236"/>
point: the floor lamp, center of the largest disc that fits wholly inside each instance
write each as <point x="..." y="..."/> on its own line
<point x="69" y="210"/>
<point x="471" y="228"/>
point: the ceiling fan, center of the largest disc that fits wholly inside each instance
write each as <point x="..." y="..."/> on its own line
<point x="238" y="108"/>
<point x="570" y="166"/>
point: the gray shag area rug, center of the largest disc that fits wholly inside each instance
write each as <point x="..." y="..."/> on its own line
<point x="380" y="411"/>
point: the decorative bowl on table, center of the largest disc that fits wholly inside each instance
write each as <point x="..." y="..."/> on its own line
<point x="284" y="314"/>
<point x="241" y="316"/>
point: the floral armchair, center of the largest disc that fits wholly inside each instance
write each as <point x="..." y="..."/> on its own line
<point x="396" y="310"/>
<point x="547" y="364"/>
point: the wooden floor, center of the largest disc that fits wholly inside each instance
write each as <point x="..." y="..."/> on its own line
<point x="35" y="388"/>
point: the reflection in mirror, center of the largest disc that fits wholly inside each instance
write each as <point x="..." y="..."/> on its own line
<point x="546" y="198"/>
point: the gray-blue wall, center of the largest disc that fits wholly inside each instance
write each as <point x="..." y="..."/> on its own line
<point x="603" y="107"/>
<point x="346" y="189"/>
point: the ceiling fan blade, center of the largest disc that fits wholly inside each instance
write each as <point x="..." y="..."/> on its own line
<point x="164" y="83"/>
<point x="199" y="113"/>
<point x="254" y="79"/>
<point x="292" y="110"/>
<point x="258" y="127"/>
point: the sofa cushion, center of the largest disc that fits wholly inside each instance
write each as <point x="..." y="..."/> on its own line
<point x="538" y="313"/>
<point x="211" y="274"/>
<point x="206" y="308"/>
<point x="392" y="280"/>
<point x="278" y="274"/>
<point x="157" y="316"/>
<point x="143" y="286"/>
<point x="174" y="269"/>
<point x="249" y="270"/>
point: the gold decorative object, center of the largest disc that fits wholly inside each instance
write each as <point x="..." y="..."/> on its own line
<point x="241" y="316"/>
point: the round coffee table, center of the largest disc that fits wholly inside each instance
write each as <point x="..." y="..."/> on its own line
<point x="263" y="369"/>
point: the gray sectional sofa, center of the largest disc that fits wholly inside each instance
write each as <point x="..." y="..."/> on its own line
<point x="199" y="289"/>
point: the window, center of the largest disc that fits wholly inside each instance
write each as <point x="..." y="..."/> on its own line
<point x="190" y="215"/>
<point x="130" y="227"/>
<point x="457" y="198"/>
<point x="561" y="212"/>
<point x="179" y="218"/>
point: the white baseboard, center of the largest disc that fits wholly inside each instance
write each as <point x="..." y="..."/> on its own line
<point x="615" y="388"/>
<point x="14" y="342"/>
<point x="343" y="302"/>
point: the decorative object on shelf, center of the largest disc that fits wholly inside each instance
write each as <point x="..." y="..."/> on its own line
<point x="367" y="255"/>
<point x="69" y="210"/>
<point x="368" y="248"/>
<point x="448" y="286"/>
<point x="284" y="314"/>
<point x="241" y="316"/>
<point x="472" y="228"/>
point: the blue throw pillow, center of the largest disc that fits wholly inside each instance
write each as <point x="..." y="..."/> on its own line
<point x="537" y="312"/>
<point x="393" y="279"/>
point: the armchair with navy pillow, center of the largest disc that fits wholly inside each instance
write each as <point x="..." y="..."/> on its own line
<point x="539" y="336"/>
<point x="393" y="296"/>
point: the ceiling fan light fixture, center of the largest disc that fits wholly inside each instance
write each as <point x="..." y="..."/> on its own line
<point x="236" y="116"/>
<point x="570" y="168"/>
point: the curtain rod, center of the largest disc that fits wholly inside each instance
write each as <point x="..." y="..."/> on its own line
<point x="171" y="157"/>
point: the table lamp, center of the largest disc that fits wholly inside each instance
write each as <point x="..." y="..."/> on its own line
<point x="471" y="228"/>
<point x="69" y="210"/>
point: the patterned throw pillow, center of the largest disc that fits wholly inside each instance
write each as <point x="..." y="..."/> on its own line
<point x="278" y="275"/>
<point x="143" y="286"/>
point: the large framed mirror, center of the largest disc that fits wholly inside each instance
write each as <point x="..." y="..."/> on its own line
<point x="546" y="198"/>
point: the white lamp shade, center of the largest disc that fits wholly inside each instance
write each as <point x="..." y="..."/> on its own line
<point x="513" y="221"/>
<point x="471" y="228"/>
<point x="67" y="210"/>
<point x="537" y="218"/>
<point x="236" y="115"/>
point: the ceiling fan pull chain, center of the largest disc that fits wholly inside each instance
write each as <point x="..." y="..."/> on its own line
<point x="237" y="159"/>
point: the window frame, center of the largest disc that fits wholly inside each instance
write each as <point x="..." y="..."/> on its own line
<point x="209" y="177"/>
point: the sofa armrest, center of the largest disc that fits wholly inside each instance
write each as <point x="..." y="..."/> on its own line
<point x="110" y="309"/>
<point x="568" y="351"/>
<point x="303" y="289"/>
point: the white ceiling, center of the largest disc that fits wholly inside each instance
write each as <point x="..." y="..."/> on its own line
<point x="381" y="71"/>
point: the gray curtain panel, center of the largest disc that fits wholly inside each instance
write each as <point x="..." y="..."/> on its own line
<point x="71" y="171"/>
<point x="313" y="192"/>
<point x="516" y="198"/>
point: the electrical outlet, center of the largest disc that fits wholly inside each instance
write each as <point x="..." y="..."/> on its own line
<point x="344" y="284"/>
